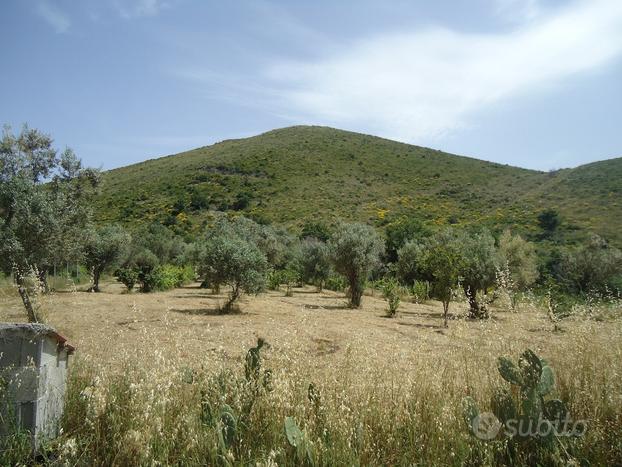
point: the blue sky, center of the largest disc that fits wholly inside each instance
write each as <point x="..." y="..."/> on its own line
<point x="533" y="83"/>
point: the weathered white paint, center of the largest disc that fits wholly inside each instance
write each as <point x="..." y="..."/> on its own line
<point x="33" y="365"/>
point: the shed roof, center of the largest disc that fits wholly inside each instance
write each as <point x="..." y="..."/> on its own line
<point x="35" y="330"/>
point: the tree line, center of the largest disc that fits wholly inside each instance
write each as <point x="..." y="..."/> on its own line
<point x="46" y="212"/>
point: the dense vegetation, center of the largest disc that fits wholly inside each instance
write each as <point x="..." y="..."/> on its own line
<point x="442" y="234"/>
<point x="300" y="174"/>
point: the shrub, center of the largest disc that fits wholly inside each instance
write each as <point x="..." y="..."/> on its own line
<point x="409" y="260"/>
<point x="420" y="291"/>
<point x="290" y="279"/>
<point x="592" y="267"/>
<point x="355" y="250"/>
<point x="518" y="267"/>
<point x="168" y="277"/>
<point x="144" y="263"/>
<point x="275" y="279"/>
<point x="400" y="232"/>
<point x="392" y="292"/>
<point x="336" y="283"/>
<point x="127" y="276"/>
<point x="317" y="230"/>
<point x="160" y="241"/>
<point x="549" y="221"/>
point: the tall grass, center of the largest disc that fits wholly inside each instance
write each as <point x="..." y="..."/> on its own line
<point x="369" y="408"/>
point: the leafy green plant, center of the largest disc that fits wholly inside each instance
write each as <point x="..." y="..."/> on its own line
<point x="392" y="292"/>
<point x="127" y="276"/>
<point x="252" y="364"/>
<point x="228" y="431"/>
<point x="298" y="440"/>
<point x="168" y="277"/>
<point x="290" y="278"/>
<point x="335" y="283"/>
<point x="524" y="420"/>
<point x="274" y="280"/>
<point x="420" y="291"/>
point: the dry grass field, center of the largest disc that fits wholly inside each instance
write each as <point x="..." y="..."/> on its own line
<point x="391" y="389"/>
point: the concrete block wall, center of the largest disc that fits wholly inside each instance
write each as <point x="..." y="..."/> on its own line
<point x="34" y="360"/>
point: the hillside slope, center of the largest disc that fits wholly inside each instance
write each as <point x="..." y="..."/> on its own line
<point x="297" y="173"/>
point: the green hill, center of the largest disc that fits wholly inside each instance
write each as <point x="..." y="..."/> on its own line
<point x="302" y="173"/>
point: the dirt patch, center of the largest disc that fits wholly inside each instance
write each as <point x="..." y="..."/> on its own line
<point x="186" y="323"/>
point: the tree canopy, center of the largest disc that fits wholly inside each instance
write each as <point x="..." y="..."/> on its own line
<point x="44" y="206"/>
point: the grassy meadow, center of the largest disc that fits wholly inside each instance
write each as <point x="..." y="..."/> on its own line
<point x="154" y="373"/>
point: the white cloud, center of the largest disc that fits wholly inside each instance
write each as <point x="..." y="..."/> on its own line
<point x="53" y="16"/>
<point x="518" y="10"/>
<point x="421" y="85"/>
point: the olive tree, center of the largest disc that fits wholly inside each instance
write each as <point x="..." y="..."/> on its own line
<point x="518" y="267"/>
<point x="236" y="262"/>
<point x="441" y="262"/>
<point x="160" y="241"/>
<point x="44" y="207"/>
<point x="410" y="261"/>
<point x="314" y="262"/>
<point x="355" y="250"/>
<point x="400" y="232"/>
<point x="590" y="267"/>
<point x="275" y="244"/>
<point x="479" y="269"/>
<point x="106" y="247"/>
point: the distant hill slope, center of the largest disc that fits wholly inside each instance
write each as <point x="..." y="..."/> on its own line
<point x="297" y="173"/>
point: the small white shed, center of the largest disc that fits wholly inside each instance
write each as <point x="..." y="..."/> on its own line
<point x="33" y="368"/>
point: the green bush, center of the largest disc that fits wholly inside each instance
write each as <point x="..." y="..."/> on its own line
<point x="127" y="276"/>
<point x="392" y="292"/>
<point x="290" y="279"/>
<point x="420" y="291"/>
<point x="336" y="283"/>
<point x="274" y="280"/>
<point x="168" y="277"/>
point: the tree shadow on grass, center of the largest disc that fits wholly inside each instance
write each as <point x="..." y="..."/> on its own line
<point x="207" y="295"/>
<point x="210" y="312"/>
<point x="424" y="325"/>
<point x="430" y="314"/>
<point x="326" y="307"/>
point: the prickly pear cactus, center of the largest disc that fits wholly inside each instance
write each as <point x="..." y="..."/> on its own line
<point x="298" y="440"/>
<point x="294" y="434"/>
<point x="253" y="361"/>
<point x="533" y="379"/>
<point x="229" y="427"/>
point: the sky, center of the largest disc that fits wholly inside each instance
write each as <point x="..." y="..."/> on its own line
<point x="531" y="83"/>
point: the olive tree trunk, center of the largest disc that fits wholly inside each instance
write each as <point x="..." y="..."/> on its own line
<point x="23" y="293"/>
